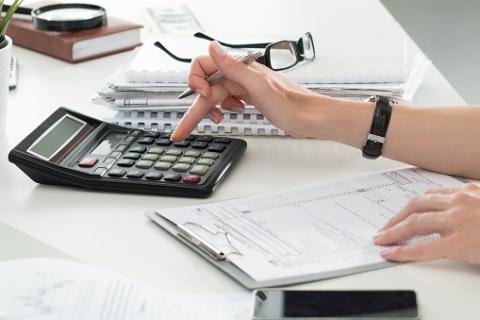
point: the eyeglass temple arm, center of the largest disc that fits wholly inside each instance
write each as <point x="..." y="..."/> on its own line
<point x="301" y="51"/>
<point x="162" y="47"/>
<point x="236" y="46"/>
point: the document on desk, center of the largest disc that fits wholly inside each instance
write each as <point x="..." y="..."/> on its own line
<point x="51" y="289"/>
<point x="324" y="229"/>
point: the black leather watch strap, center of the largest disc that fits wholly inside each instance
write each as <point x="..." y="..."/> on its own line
<point x="376" y="138"/>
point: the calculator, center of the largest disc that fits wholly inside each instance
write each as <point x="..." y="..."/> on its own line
<point x="72" y="149"/>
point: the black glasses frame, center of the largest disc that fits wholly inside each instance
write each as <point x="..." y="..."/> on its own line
<point x="265" y="59"/>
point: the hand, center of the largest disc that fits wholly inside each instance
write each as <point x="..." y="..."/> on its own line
<point x="281" y="101"/>
<point x="452" y="212"/>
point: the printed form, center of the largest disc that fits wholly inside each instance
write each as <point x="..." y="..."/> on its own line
<point x="324" y="227"/>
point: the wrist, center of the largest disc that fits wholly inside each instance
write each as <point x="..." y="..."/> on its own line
<point x="339" y="120"/>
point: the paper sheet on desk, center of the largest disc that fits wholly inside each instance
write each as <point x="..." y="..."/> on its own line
<point x="50" y="289"/>
<point x="325" y="227"/>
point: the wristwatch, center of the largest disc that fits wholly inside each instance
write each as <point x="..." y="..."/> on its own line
<point x="373" y="146"/>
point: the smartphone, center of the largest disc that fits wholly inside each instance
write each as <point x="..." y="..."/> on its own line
<point x="278" y="304"/>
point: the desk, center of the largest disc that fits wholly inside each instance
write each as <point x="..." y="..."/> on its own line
<point x="110" y="230"/>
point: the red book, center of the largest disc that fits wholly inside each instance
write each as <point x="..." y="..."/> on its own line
<point x="116" y="36"/>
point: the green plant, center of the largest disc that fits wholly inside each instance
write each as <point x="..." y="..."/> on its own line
<point x="8" y="16"/>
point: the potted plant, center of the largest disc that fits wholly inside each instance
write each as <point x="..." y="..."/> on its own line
<point x="5" y="54"/>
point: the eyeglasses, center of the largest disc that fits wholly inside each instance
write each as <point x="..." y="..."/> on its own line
<point x="278" y="56"/>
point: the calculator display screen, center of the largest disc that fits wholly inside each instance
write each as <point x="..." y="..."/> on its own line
<point x="107" y="145"/>
<point x="56" y="137"/>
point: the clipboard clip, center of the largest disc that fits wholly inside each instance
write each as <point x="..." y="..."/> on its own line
<point x="204" y="245"/>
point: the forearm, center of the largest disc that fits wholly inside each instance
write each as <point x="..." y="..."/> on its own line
<point x="440" y="139"/>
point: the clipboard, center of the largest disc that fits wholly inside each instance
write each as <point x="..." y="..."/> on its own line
<point x="222" y="262"/>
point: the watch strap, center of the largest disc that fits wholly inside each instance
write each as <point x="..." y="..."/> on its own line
<point x="378" y="130"/>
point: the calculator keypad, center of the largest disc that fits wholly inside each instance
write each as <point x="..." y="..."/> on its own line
<point x="152" y="156"/>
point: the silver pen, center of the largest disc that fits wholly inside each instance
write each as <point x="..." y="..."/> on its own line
<point x="216" y="77"/>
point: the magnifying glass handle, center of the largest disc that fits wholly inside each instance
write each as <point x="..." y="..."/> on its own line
<point x="20" y="10"/>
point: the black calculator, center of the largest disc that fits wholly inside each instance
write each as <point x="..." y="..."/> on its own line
<point x="72" y="149"/>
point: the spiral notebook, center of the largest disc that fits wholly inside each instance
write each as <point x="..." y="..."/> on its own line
<point x="236" y="124"/>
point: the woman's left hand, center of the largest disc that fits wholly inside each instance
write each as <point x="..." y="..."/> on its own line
<point x="454" y="213"/>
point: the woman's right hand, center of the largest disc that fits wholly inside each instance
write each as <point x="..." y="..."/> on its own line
<point x="283" y="102"/>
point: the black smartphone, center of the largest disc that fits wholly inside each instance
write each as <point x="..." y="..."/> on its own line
<point x="278" y="304"/>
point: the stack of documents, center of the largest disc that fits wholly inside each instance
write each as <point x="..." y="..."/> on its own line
<point x="144" y="90"/>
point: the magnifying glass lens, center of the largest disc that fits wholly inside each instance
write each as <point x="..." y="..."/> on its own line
<point x="70" y="14"/>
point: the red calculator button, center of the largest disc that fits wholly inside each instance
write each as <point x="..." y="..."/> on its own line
<point x="191" y="179"/>
<point x="88" y="162"/>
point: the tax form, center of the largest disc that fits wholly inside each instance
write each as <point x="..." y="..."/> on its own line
<point x="324" y="229"/>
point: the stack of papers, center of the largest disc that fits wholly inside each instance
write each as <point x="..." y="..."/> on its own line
<point x="144" y="90"/>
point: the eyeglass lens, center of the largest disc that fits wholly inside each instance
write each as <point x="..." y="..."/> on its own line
<point x="282" y="55"/>
<point x="308" y="49"/>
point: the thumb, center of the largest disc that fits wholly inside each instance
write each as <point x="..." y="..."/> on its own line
<point x="231" y="67"/>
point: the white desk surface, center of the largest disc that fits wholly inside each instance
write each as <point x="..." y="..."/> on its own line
<point x="110" y="229"/>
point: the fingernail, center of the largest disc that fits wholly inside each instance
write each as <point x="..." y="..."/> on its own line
<point x="386" y="253"/>
<point x="219" y="49"/>
<point x="378" y="235"/>
<point x="202" y="93"/>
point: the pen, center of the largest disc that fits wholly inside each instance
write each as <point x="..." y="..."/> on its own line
<point x="216" y="77"/>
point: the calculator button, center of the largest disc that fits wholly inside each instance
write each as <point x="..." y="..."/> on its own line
<point x="154" y="176"/>
<point x="164" y="142"/>
<point x="132" y="155"/>
<point x="136" y="132"/>
<point x="188" y="160"/>
<point x="144" y="164"/>
<point x="116" y="154"/>
<point x="216" y="147"/>
<point x="139" y="149"/>
<point x="192" y="179"/>
<point x="210" y="155"/>
<point x="116" y="173"/>
<point x="190" y="137"/>
<point x="162" y="165"/>
<point x="205" y="138"/>
<point x="125" y="163"/>
<point x="129" y="139"/>
<point x="135" y="174"/>
<point x="150" y="156"/>
<point x="168" y="158"/>
<point x="199" y="170"/>
<point x="182" y="144"/>
<point x="172" y="177"/>
<point x="207" y="162"/>
<point x="174" y="152"/>
<point x="222" y="140"/>
<point x="199" y="145"/>
<point x="88" y="162"/>
<point x="146" y="140"/>
<point x="156" y="150"/>
<point x="100" y="171"/>
<point x="166" y="135"/>
<point x="109" y="160"/>
<point x="121" y="147"/>
<point x="192" y="153"/>
<point x="152" y="134"/>
<point x="181" y="167"/>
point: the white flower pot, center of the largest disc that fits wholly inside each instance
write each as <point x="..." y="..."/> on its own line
<point x="5" y="54"/>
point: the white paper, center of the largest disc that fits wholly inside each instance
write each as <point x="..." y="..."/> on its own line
<point x="323" y="227"/>
<point x="51" y="289"/>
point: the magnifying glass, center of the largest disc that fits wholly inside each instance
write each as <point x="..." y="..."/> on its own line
<point x="65" y="17"/>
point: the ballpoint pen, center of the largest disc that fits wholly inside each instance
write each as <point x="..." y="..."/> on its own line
<point x="216" y="77"/>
